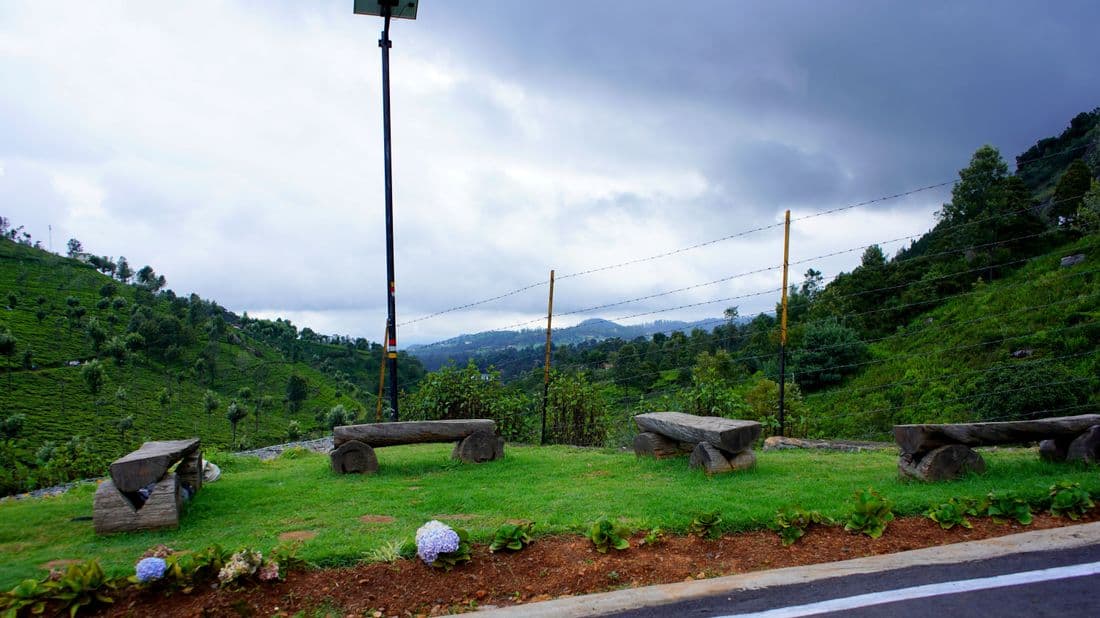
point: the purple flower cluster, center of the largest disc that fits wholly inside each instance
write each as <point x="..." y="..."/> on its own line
<point x="150" y="569"/>
<point x="434" y="538"/>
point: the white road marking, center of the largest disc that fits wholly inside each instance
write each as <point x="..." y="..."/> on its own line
<point x="928" y="590"/>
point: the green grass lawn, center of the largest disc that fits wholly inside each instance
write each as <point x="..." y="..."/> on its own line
<point x="560" y="488"/>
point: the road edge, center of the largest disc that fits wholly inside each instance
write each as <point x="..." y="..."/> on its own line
<point x="603" y="603"/>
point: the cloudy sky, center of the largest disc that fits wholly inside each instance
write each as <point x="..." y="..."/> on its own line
<point x="237" y="146"/>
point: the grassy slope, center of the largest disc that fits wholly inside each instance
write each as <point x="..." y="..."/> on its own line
<point x="58" y="404"/>
<point x="256" y="501"/>
<point x="937" y="379"/>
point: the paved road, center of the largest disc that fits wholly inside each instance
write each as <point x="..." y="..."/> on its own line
<point x="1065" y="591"/>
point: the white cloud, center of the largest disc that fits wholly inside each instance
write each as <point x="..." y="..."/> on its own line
<point x="237" y="149"/>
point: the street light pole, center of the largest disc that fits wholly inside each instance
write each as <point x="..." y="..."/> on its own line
<point x="387" y="9"/>
<point x="391" y="300"/>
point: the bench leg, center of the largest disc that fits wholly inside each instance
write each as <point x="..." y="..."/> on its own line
<point x="354" y="456"/>
<point x="113" y="512"/>
<point x="941" y="464"/>
<point x="479" y="447"/>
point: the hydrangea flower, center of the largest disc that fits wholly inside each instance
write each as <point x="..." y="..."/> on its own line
<point x="269" y="571"/>
<point x="242" y="563"/>
<point x="434" y="538"/>
<point x="150" y="569"/>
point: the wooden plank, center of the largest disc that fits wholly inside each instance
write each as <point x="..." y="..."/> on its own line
<point x="113" y="512"/>
<point x="411" y="432"/>
<point x="722" y="433"/>
<point x="924" y="438"/>
<point x="149" y="463"/>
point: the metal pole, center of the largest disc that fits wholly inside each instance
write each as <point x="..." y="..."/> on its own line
<point x="391" y="320"/>
<point x="783" y="324"/>
<point x="546" y="363"/>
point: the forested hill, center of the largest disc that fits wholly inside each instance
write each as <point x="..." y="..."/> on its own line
<point x="494" y="347"/>
<point x="99" y="358"/>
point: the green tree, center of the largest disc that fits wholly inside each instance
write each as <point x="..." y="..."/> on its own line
<point x="93" y="375"/>
<point x="210" y="401"/>
<point x="8" y="343"/>
<point x="980" y="185"/>
<point x="1088" y="214"/>
<point x="576" y="411"/>
<point x="164" y="398"/>
<point x="96" y="334"/>
<point x="124" y="425"/>
<point x="75" y="248"/>
<point x="827" y="352"/>
<point x="123" y="270"/>
<point x="235" y="413"/>
<point x="1071" y="190"/>
<point x="337" y="416"/>
<point x="296" y="391"/>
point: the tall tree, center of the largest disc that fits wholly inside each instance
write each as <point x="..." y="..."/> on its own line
<point x="75" y="248"/>
<point x="8" y="343"/>
<point x="235" y="413"/>
<point x="1071" y="190"/>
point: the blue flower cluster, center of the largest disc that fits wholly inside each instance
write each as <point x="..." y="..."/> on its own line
<point x="149" y="569"/>
<point x="434" y="538"/>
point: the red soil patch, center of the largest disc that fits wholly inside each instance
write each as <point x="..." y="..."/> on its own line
<point x="297" y="535"/>
<point x="377" y="519"/>
<point x="551" y="567"/>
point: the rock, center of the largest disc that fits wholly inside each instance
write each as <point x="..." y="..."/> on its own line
<point x="1073" y="260"/>
<point x="943" y="463"/>
<point x="1022" y="353"/>
<point x="1085" y="447"/>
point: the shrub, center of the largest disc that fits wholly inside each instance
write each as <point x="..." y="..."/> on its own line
<point x="1006" y="506"/>
<point x="791" y="523"/>
<point x="707" y="524"/>
<point x="453" y="393"/>
<point x="763" y="407"/>
<point x="606" y="534"/>
<point x="576" y="411"/>
<point x="953" y="513"/>
<point x="513" y="536"/>
<point x="826" y="353"/>
<point x="1017" y="391"/>
<point x="870" y="514"/>
<point x="1069" y="500"/>
<point x="441" y="546"/>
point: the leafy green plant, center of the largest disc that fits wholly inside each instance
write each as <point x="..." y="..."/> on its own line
<point x="29" y="593"/>
<point x="1069" y="500"/>
<point x="606" y="534"/>
<point x="387" y="552"/>
<point x="513" y="536"/>
<point x="407" y="550"/>
<point x="1006" y="506"/>
<point x="81" y="584"/>
<point x="953" y="513"/>
<point x="870" y="513"/>
<point x="654" y="537"/>
<point x="707" y="524"/>
<point x="449" y="560"/>
<point x="791" y="523"/>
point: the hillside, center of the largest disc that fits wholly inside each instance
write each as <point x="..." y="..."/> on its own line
<point x="169" y="367"/>
<point x="491" y="347"/>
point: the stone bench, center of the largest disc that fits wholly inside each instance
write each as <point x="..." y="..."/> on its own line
<point x="143" y="493"/>
<point x="716" y="444"/>
<point x="944" y="451"/>
<point x="476" y="441"/>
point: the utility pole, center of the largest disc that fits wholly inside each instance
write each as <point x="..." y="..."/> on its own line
<point x="405" y="9"/>
<point x="382" y="376"/>
<point x="546" y="363"/>
<point x="783" y="323"/>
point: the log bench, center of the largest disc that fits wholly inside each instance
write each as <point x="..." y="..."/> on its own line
<point x="717" y="445"/>
<point x="143" y="492"/>
<point x="944" y="451"/>
<point x="476" y="441"/>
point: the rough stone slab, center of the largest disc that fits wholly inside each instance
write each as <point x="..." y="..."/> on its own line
<point x="113" y="512"/>
<point x="924" y="438"/>
<point x="722" y="433"/>
<point x="1085" y="447"/>
<point x="149" y="463"/>
<point x="479" y="447"/>
<point x="353" y="457"/>
<point x="411" y="432"/>
<point x="941" y="464"/>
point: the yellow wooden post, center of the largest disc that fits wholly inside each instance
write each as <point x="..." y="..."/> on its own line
<point x="783" y="323"/>
<point x="546" y="363"/>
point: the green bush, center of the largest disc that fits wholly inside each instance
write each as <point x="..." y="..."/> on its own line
<point x="1023" y="390"/>
<point x="791" y="523"/>
<point x="453" y="393"/>
<point x="826" y="354"/>
<point x="576" y="411"/>
<point x="606" y="534"/>
<point x="870" y="514"/>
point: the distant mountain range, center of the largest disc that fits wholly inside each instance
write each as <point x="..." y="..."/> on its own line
<point x="463" y="347"/>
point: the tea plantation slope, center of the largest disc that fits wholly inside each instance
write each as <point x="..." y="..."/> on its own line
<point x="1025" y="345"/>
<point x="56" y="308"/>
